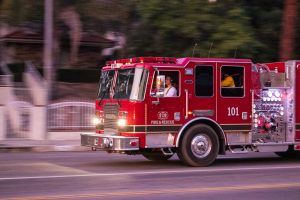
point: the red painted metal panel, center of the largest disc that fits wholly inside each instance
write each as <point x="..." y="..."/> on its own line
<point x="230" y="109"/>
<point x="297" y="94"/>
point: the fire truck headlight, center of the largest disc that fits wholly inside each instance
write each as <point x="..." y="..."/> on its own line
<point x="96" y="121"/>
<point x="122" y="122"/>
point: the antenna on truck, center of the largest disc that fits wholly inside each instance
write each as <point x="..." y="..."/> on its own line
<point x="211" y="44"/>
<point x="194" y="49"/>
<point x="235" y="51"/>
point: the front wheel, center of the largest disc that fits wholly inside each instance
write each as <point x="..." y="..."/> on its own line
<point x="199" y="146"/>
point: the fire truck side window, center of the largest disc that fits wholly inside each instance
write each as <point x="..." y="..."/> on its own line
<point x="172" y="84"/>
<point x="204" y="81"/>
<point x="232" y="81"/>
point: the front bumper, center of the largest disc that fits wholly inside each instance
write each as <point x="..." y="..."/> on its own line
<point x="109" y="142"/>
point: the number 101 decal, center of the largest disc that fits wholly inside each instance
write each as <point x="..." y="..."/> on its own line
<point x="233" y="111"/>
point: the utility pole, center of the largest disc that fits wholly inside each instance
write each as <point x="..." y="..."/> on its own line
<point x="48" y="46"/>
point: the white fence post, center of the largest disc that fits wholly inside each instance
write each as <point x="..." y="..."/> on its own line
<point x="5" y="90"/>
<point x="3" y="127"/>
<point x="38" y="119"/>
<point x="38" y="116"/>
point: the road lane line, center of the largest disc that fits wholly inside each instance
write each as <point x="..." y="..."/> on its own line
<point x="163" y="191"/>
<point x="43" y="167"/>
<point x="153" y="172"/>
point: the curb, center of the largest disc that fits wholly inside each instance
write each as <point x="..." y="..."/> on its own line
<point x="9" y="149"/>
<point x="60" y="148"/>
<point x="43" y="148"/>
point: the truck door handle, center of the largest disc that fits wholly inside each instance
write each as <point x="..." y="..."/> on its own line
<point x="186" y="103"/>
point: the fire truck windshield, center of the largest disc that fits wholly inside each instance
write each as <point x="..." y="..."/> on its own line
<point x="105" y="84"/>
<point x="131" y="84"/>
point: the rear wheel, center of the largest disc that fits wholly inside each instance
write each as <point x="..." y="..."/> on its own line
<point x="290" y="153"/>
<point x="199" y="146"/>
<point x="156" y="156"/>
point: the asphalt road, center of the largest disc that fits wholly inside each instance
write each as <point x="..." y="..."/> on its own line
<point x="97" y="175"/>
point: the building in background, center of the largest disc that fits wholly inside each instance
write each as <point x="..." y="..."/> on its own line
<point x="24" y="44"/>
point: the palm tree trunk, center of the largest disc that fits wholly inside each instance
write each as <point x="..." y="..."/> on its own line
<point x="72" y="19"/>
<point x="288" y="30"/>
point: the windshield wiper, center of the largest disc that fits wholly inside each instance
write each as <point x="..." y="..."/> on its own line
<point x="116" y="98"/>
<point x="104" y="93"/>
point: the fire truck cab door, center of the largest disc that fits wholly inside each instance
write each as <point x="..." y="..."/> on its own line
<point x="166" y="114"/>
<point x="234" y="106"/>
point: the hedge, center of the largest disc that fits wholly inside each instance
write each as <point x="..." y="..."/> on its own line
<point x="72" y="75"/>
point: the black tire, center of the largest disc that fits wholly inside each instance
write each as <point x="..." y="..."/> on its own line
<point x="156" y="156"/>
<point x="290" y="153"/>
<point x="199" y="146"/>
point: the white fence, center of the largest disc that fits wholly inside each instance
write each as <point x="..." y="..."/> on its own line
<point x="61" y="117"/>
<point x="24" y="112"/>
<point x="5" y="80"/>
<point x="70" y="116"/>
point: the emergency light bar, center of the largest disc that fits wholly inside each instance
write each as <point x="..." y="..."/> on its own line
<point x="143" y="60"/>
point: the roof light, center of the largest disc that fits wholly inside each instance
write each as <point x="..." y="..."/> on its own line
<point x="143" y="60"/>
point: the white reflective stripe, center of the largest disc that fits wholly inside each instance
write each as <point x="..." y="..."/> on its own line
<point x="266" y="167"/>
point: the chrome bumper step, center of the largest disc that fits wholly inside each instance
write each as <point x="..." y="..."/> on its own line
<point x="109" y="142"/>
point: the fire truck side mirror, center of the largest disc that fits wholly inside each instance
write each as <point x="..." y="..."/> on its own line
<point x="160" y="86"/>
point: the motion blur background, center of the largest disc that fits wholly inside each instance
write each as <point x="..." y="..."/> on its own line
<point x="47" y="85"/>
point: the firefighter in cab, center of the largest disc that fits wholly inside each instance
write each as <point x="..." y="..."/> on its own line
<point x="170" y="90"/>
<point x="227" y="81"/>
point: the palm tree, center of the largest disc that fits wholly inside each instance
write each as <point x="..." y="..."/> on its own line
<point x="71" y="18"/>
<point x="288" y="29"/>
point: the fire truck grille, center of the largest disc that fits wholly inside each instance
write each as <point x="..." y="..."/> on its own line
<point x="111" y="112"/>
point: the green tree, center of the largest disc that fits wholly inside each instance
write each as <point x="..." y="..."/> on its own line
<point x="233" y="35"/>
<point x="265" y="23"/>
<point x="172" y="28"/>
<point x="241" y="28"/>
<point x="17" y="12"/>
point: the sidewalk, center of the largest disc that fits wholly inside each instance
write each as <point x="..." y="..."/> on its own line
<point x="20" y="145"/>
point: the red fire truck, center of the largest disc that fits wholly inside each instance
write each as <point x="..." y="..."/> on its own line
<point x="217" y="106"/>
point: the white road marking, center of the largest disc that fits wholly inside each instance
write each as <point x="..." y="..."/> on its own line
<point x="42" y="167"/>
<point x="155" y="172"/>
